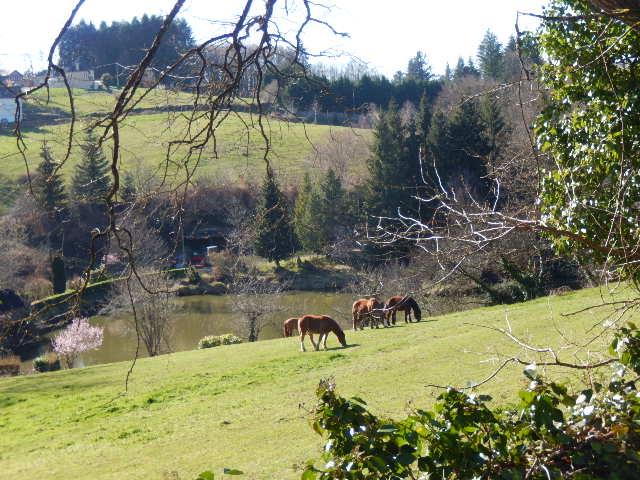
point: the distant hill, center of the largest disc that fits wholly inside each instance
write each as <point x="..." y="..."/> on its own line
<point x="239" y="145"/>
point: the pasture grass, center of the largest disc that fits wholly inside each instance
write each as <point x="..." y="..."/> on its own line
<point x="238" y="154"/>
<point x="239" y="146"/>
<point x="238" y="406"/>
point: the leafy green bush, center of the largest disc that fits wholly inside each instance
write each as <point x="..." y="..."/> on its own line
<point x="49" y="362"/>
<point x="550" y="433"/>
<point x="211" y="341"/>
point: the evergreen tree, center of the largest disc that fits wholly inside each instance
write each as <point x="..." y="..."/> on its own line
<point x="58" y="274"/>
<point x="316" y="235"/>
<point x="459" y="71"/>
<point x="48" y="186"/>
<point x="275" y="238"/>
<point x="333" y="204"/>
<point x="463" y="70"/>
<point x="495" y="128"/>
<point x="91" y="180"/>
<point x="512" y="66"/>
<point x="491" y="57"/>
<point x="394" y="166"/>
<point x="301" y="222"/>
<point x="460" y="147"/>
<point x="471" y="69"/>
<point x="425" y="113"/>
<point x="128" y="189"/>
<point x="448" y="74"/>
<point x="418" y="68"/>
<point x="467" y="127"/>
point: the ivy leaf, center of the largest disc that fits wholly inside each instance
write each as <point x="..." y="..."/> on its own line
<point x="233" y="471"/>
<point x="309" y="475"/>
<point x="387" y="429"/>
<point x="208" y="475"/>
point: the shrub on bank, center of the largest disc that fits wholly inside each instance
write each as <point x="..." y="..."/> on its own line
<point x="49" y="362"/>
<point x="9" y="366"/>
<point x="211" y="341"/>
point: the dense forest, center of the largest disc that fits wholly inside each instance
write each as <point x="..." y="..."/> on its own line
<point x="115" y="48"/>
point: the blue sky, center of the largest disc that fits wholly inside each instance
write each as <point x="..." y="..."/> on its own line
<point x="382" y="33"/>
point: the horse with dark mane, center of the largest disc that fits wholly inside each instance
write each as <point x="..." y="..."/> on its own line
<point x="323" y="326"/>
<point x="289" y="325"/>
<point x="404" y="304"/>
<point x="367" y="309"/>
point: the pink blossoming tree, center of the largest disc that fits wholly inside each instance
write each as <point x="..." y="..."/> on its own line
<point x="78" y="337"/>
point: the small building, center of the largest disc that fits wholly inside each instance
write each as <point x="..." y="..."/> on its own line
<point x="78" y="79"/>
<point x="12" y="79"/>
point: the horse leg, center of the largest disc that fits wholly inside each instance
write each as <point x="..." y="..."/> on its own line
<point x="406" y="319"/>
<point x="302" y="334"/>
<point x="316" y="346"/>
<point x="324" y="342"/>
<point x="393" y="317"/>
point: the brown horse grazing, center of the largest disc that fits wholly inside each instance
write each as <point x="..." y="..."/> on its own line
<point x="289" y="325"/>
<point x="323" y="326"/>
<point x="367" y="309"/>
<point x="404" y="304"/>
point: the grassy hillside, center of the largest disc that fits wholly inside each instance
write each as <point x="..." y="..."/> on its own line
<point x="237" y="406"/>
<point x="88" y="102"/>
<point x="239" y="144"/>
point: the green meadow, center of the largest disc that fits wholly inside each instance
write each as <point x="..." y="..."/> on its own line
<point x="246" y="406"/>
<point x="237" y="154"/>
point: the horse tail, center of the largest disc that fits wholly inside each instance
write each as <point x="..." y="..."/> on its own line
<point x="416" y="310"/>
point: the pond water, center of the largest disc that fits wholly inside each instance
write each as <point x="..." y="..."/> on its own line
<point x="198" y="316"/>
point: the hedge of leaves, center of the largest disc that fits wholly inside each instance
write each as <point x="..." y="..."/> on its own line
<point x="549" y="433"/>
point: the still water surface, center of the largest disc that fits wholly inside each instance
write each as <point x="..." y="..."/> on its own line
<point x="199" y="316"/>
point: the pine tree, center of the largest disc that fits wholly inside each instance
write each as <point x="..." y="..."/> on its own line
<point x="463" y="70"/>
<point x="91" y="180"/>
<point x="448" y="74"/>
<point x="495" y="128"/>
<point x="459" y="147"/>
<point x="128" y="190"/>
<point x="333" y="204"/>
<point x="394" y="166"/>
<point x="491" y="57"/>
<point x="425" y="112"/>
<point x="383" y="196"/>
<point x="471" y="69"/>
<point x="316" y="234"/>
<point x="459" y="70"/>
<point x="275" y="238"/>
<point x="301" y="214"/>
<point x="58" y="274"/>
<point x="418" y="68"/>
<point x="48" y="186"/>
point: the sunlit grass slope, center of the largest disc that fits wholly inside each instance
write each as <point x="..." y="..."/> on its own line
<point x="239" y="144"/>
<point x="238" y="406"/>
